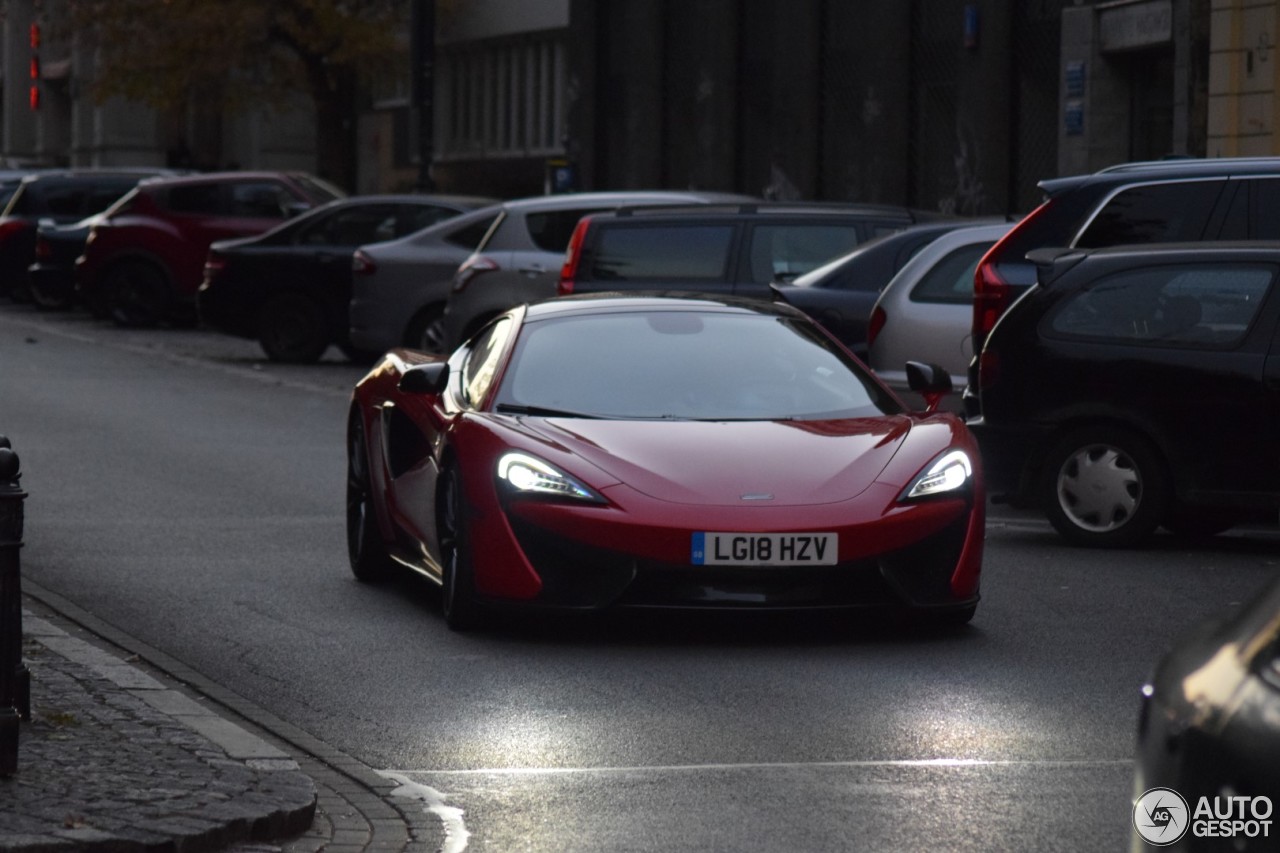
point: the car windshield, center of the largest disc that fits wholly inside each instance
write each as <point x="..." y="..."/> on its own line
<point x="686" y="365"/>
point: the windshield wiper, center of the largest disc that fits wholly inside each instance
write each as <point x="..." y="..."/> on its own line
<point x="540" y="411"/>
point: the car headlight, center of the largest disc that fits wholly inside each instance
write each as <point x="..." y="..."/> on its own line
<point x="950" y="472"/>
<point x="528" y="475"/>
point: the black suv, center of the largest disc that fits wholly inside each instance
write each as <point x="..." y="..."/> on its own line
<point x="1152" y="202"/>
<point x="1138" y="386"/>
<point x="58" y="197"/>
<point x="726" y="249"/>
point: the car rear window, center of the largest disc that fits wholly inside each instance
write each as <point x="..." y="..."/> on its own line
<point x="648" y="252"/>
<point x="550" y="230"/>
<point x="1200" y="305"/>
<point x="1154" y="213"/>
<point x="950" y="281"/>
<point x="469" y="237"/>
<point x="783" y="251"/>
<point x="195" y="198"/>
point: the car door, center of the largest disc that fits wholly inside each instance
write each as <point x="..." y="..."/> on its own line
<point x="1185" y="352"/>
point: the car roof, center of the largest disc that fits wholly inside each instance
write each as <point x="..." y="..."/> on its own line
<point x="889" y="243"/>
<point x="1169" y="251"/>
<point x="1172" y="169"/>
<point x="460" y="201"/>
<point x="218" y="177"/>
<point x="960" y="237"/>
<point x="86" y="174"/>
<point x="616" y="198"/>
<point x="736" y="208"/>
<point x="598" y="303"/>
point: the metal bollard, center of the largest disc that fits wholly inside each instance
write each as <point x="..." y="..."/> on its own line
<point x="15" y="680"/>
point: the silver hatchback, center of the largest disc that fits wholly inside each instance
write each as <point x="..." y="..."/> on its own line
<point x="520" y="258"/>
<point x="925" y="312"/>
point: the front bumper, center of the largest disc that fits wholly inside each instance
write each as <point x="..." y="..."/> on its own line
<point x="921" y="557"/>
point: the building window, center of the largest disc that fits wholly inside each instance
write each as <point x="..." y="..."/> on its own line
<point x="501" y="99"/>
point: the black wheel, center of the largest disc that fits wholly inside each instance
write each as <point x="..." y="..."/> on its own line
<point x="1104" y="487"/>
<point x="292" y="328"/>
<point x="425" y="331"/>
<point x="457" y="594"/>
<point x="51" y="299"/>
<point x="365" y="548"/>
<point x="137" y="294"/>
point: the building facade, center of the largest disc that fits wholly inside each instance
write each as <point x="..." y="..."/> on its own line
<point x="961" y="106"/>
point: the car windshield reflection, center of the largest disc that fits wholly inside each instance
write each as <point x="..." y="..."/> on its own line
<point x="686" y="365"/>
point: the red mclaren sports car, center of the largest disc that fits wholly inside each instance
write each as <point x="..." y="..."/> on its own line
<point x="661" y="451"/>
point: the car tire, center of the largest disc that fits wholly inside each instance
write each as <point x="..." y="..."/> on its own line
<point x="457" y="592"/>
<point x="366" y="550"/>
<point x="137" y="294"/>
<point x="51" y="300"/>
<point x="292" y="328"/>
<point x="1104" y="487"/>
<point x="425" y="331"/>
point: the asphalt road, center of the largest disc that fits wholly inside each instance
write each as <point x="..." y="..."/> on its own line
<point x="191" y="495"/>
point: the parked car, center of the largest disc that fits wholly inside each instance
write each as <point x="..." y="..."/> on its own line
<point x="738" y="249"/>
<point x="1136" y="387"/>
<point x="927" y="308"/>
<point x="519" y="259"/>
<point x="1221" y="198"/>
<point x="841" y="293"/>
<point x="290" y="288"/>
<point x="54" y="197"/>
<point x="144" y="258"/>
<point x="1209" y="730"/>
<point x="52" y="272"/>
<point x="616" y="451"/>
<point x="398" y="288"/>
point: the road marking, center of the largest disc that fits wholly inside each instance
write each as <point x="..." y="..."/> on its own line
<point x="455" y="830"/>
<point x="780" y="765"/>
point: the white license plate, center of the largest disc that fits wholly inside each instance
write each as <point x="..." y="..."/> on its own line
<point x="764" y="549"/>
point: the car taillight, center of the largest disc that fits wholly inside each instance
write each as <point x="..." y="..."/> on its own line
<point x="362" y="264"/>
<point x="44" y="249"/>
<point x="992" y="293"/>
<point x="10" y="227"/>
<point x="875" y="324"/>
<point x="991" y="296"/>
<point x="472" y="267"/>
<point x="572" y="256"/>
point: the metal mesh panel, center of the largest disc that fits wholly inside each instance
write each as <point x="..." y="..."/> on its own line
<point x="984" y="103"/>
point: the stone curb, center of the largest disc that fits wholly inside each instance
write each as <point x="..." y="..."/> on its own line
<point x="282" y="790"/>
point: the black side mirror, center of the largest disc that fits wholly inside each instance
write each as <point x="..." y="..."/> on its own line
<point x="430" y="378"/>
<point x="929" y="381"/>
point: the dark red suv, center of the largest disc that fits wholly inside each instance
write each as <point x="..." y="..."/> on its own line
<point x="144" y="259"/>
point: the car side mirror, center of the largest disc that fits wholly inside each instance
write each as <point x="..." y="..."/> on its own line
<point x="430" y="378"/>
<point x="929" y="381"/>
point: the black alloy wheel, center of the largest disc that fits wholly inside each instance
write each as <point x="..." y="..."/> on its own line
<point x="137" y="294"/>
<point x="365" y="549"/>
<point x="1104" y="487"/>
<point x="292" y="328"/>
<point x="457" y="594"/>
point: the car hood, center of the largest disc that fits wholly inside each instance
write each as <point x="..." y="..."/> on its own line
<point x="718" y="463"/>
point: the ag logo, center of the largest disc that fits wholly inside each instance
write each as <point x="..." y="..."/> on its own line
<point x="1161" y="816"/>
